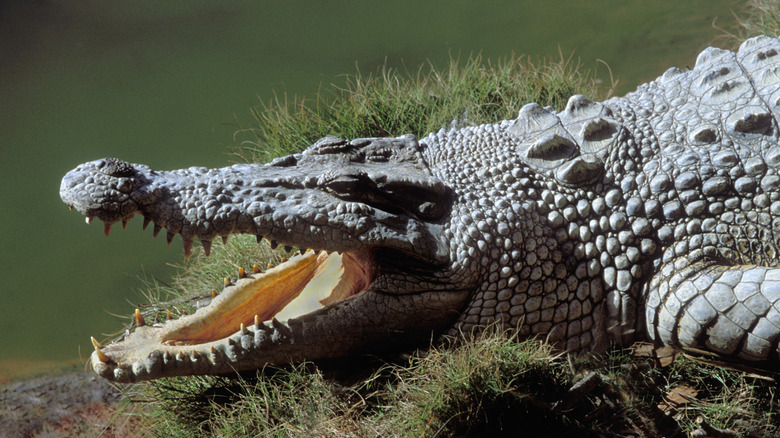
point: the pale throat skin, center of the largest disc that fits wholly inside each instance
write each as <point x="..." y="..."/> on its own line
<point x="654" y="216"/>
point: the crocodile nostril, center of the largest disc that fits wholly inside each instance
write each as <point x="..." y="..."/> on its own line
<point x="115" y="167"/>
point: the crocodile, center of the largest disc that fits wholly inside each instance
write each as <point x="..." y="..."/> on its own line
<point x="654" y="216"/>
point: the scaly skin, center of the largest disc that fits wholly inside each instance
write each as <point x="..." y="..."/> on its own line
<point x="654" y="216"/>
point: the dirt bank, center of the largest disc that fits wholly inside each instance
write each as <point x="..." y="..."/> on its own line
<point x="63" y="405"/>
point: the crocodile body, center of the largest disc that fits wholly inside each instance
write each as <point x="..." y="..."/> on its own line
<point x="654" y="216"/>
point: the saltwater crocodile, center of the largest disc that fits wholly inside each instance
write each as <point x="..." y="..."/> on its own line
<point x="655" y="216"/>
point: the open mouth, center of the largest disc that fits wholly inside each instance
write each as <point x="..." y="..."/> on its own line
<point x="292" y="290"/>
<point x="299" y="286"/>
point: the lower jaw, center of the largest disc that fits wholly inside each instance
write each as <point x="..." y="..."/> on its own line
<point x="243" y="319"/>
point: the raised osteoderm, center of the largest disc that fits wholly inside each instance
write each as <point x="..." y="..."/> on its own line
<point x="653" y="216"/>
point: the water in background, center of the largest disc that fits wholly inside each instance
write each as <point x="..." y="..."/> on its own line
<point x="168" y="83"/>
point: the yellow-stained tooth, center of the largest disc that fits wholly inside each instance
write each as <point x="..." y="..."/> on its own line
<point x="101" y="356"/>
<point x="139" y="319"/>
<point x="270" y="266"/>
<point x="213" y="293"/>
<point x="168" y="314"/>
<point x="257" y="322"/>
<point x="227" y="282"/>
<point x="243" y="329"/>
<point x="95" y="342"/>
<point x="241" y="272"/>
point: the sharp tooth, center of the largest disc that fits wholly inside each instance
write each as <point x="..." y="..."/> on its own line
<point x="156" y="230"/>
<point x="187" y="248"/>
<point x="107" y="228"/>
<point x="206" y="246"/>
<point x="101" y="356"/>
<point x="243" y="329"/>
<point x="89" y="219"/>
<point x="139" y="319"/>
<point x="70" y="208"/>
<point x="226" y="281"/>
<point x="224" y="240"/>
<point x="274" y="244"/>
<point x="231" y="342"/>
<point x="169" y="237"/>
<point x="146" y="223"/>
<point x="255" y="269"/>
<point x="167" y="356"/>
<point x="195" y="355"/>
<point x="257" y="322"/>
<point x="168" y="314"/>
<point x="213" y="293"/>
<point x="95" y="342"/>
<point x="270" y="265"/>
<point x="284" y="259"/>
<point x="213" y="350"/>
<point x="241" y="272"/>
<point x="180" y="355"/>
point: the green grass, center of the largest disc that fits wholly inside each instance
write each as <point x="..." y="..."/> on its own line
<point x="492" y="386"/>
<point x="760" y="17"/>
<point x="391" y="102"/>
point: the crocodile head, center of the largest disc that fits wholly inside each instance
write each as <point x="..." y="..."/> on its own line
<point x="368" y="215"/>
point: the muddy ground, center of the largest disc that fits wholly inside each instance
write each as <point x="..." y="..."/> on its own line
<point x="64" y="405"/>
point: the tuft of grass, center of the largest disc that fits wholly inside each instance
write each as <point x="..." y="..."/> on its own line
<point x="392" y="102"/>
<point x="762" y="17"/>
<point x="756" y="17"/>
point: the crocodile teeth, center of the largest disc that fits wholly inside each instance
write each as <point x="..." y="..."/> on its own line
<point x="124" y="224"/>
<point x="139" y="319"/>
<point x="146" y="223"/>
<point x="107" y="228"/>
<point x="156" y="230"/>
<point x="95" y="342"/>
<point x="213" y="293"/>
<point x="89" y="219"/>
<point x="206" y="246"/>
<point x="226" y="281"/>
<point x="169" y="237"/>
<point x="255" y="269"/>
<point x="241" y="272"/>
<point x="243" y="329"/>
<point x="224" y="240"/>
<point x="187" y="248"/>
<point x="101" y="356"/>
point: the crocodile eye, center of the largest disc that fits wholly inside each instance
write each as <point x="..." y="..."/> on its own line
<point x="343" y="185"/>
